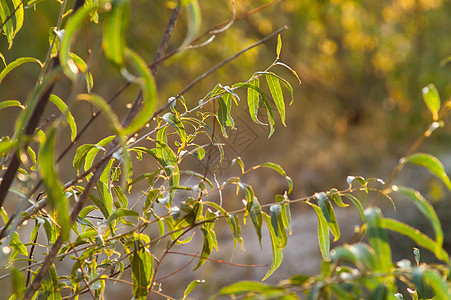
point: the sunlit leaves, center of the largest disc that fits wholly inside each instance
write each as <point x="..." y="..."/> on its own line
<point x="114" y="31"/>
<point x="73" y="25"/>
<point x="323" y="232"/>
<point x="7" y="15"/>
<point x="276" y="92"/>
<point x="328" y="213"/>
<point x="62" y="106"/>
<point x="426" y="209"/>
<point x="141" y="261"/>
<point x="378" y="239"/>
<point x="432" y="164"/>
<point x="54" y="188"/>
<point x="11" y="103"/>
<point x="149" y="93"/>
<point x="277" y="254"/>
<point x="11" y="66"/>
<point x="432" y="100"/>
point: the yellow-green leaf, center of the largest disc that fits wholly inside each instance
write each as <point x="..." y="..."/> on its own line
<point x="432" y="164"/>
<point x="114" y="32"/>
<point x="62" y="106"/>
<point x="17" y="63"/>
<point x="277" y="95"/>
<point x="323" y="232"/>
<point x="11" y="103"/>
<point x="432" y="100"/>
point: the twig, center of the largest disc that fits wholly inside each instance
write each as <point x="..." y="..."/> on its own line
<point x="217" y="260"/>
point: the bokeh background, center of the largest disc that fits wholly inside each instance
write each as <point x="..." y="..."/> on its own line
<point x="359" y="107"/>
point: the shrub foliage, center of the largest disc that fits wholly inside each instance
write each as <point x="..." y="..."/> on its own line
<point x="92" y="222"/>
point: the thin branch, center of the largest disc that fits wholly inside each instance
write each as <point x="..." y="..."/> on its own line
<point x="217" y="260"/>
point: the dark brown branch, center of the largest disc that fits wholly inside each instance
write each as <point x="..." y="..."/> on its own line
<point x="29" y="130"/>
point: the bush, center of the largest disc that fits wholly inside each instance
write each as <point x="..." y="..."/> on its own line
<point x="100" y="226"/>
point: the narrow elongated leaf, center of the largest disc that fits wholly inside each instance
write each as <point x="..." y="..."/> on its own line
<point x="418" y="237"/>
<point x="243" y="287"/>
<point x="277" y="254"/>
<point x="378" y="238"/>
<point x="278" y="226"/>
<point x="194" y="21"/>
<point x="277" y="95"/>
<point x="114" y="32"/>
<point x="11" y="103"/>
<point x="432" y="164"/>
<point x="17" y="245"/>
<point x="323" y="232"/>
<point x="193" y="284"/>
<point x="427" y="210"/>
<point x="222" y="116"/>
<point x="333" y="193"/>
<point x="70" y="69"/>
<point x="210" y="242"/>
<point x="253" y="100"/>
<point x="149" y="92"/>
<point x="257" y="218"/>
<point x="357" y="204"/>
<point x="80" y="155"/>
<point x="54" y="188"/>
<point x="92" y="152"/>
<point x="18" y="15"/>
<point x="8" y="29"/>
<point x="432" y="100"/>
<point x="440" y="286"/>
<point x="328" y="213"/>
<point x="142" y="268"/>
<point x="175" y="123"/>
<point x="279" y="46"/>
<point x="122" y="212"/>
<point x="100" y="103"/>
<point x="285" y="212"/>
<point x="11" y="66"/>
<point x="69" y="117"/>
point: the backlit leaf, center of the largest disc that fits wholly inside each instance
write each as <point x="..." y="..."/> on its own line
<point x="426" y="209"/>
<point x="432" y="100"/>
<point x="62" y="106"/>
<point x="11" y="103"/>
<point x="114" y="31"/>
<point x="328" y="213"/>
<point x="277" y="95"/>
<point x="277" y="254"/>
<point x="432" y="164"/>
<point x="17" y="63"/>
<point x="323" y="232"/>
<point x="378" y="238"/>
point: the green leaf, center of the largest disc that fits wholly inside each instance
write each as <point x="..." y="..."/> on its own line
<point x="149" y="92"/>
<point x="141" y="262"/>
<point x="277" y="95"/>
<point x="121" y="212"/>
<point x="92" y="151"/>
<point x="69" y="117"/>
<point x="17" y="63"/>
<point x="440" y="287"/>
<point x="432" y="100"/>
<point x="253" y="100"/>
<point x="115" y="30"/>
<point x="194" y="21"/>
<point x="279" y="46"/>
<point x="191" y="287"/>
<point x="418" y="237"/>
<point x="323" y="232"/>
<point x="101" y="104"/>
<point x="54" y="188"/>
<point x="243" y="287"/>
<point x="426" y="209"/>
<point x="80" y="155"/>
<point x="286" y="213"/>
<point x="19" y="14"/>
<point x="265" y="101"/>
<point x="328" y="213"/>
<point x="378" y="238"/>
<point x="432" y="164"/>
<point x="18" y="283"/>
<point x="11" y="103"/>
<point x="278" y="226"/>
<point x="333" y="193"/>
<point x="222" y="116"/>
<point x="70" y="69"/>
<point x="175" y="122"/>
<point x="257" y="218"/>
<point x="357" y="204"/>
<point x="17" y="245"/>
<point x="8" y="29"/>
<point x="210" y="242"/>
<point x="277" y="254"/>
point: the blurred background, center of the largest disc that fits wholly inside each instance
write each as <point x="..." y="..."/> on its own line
<point x="359" y="107"/>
